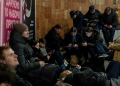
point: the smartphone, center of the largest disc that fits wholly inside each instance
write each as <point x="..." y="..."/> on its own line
<point x="76" y="67"/>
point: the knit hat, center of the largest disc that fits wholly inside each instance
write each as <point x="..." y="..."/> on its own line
<point x="19" y="27"/>
<point x="57" y="26"/>
<point x="72" y="13"/>
<point x="91" y="8"/>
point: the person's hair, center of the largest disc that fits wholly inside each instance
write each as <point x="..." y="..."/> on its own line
<point x="108" y="9"/>
<point x="33" y="42"/>
<point x="73" y="29"/>
<point x="63" y="74"/>
<point x="7" y="74"/>
<point x="42" y="40"/>
<point x="116" y="9"/>
<point x="2" y="48"/>
<point x="89" y="29"/>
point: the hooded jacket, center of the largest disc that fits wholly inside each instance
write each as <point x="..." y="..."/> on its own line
<point x="95" y="37"/>
<point x="111" y="19"/>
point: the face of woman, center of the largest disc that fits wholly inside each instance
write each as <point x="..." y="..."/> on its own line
<point x="25" y="33"/>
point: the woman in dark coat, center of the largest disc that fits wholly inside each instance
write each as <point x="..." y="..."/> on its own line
<point x="34" y="67"/>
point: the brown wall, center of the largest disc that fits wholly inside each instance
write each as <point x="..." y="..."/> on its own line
<point x="52" y="12"/>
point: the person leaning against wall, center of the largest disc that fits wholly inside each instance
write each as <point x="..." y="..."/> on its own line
<point x="109" y="22"/>
<point x="36" y="69"/>
<point x="8" y="57"/>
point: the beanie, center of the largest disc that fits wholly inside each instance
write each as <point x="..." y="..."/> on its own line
<point x="19" y="27"/>
<point x="72" y="13"/>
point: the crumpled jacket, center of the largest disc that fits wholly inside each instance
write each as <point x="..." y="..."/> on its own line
<point x="116" y="47"/>
<point x="86" y="77"/>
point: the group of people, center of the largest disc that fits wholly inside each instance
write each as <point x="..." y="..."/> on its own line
<point x="40" y="63"/>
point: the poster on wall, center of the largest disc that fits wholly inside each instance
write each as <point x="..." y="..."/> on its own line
<point x="16" y="10"/>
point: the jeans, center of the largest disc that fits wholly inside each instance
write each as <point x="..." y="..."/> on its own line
<point x="113" y="70"/>
<point x="54" y="45"/>
<point x="111" y="54"/>
<point x="58" y="57"/>
<point x="101" y="48"/>
<point x="108" y="36"/>
<point x="73" y="50"/>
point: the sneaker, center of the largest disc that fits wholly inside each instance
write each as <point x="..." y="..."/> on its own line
<point x="103" y="56"/>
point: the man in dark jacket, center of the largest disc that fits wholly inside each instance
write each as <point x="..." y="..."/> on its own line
<point x="8" y="57"/>
<point x="92" y="18"/>
<point x="109" y="22"/>
<point x="53" y="39"/>
<point x="72" y="41"/>
<point x="77" y="20"/>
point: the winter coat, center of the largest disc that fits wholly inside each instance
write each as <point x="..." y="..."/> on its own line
<point x="26" y="61"/>
<point x="51" y="37"/>
<point x="116" y="47"/>
<point x="86" y="77"/>
<point x="38" y="54"/>
<point x="111" y="19"/>
<point x="92" y="18"/>
<point x="78" y="21"/>
<point x="68" y="39"/>
<point x="95" y="37"/>
<point x="24" y="51"/>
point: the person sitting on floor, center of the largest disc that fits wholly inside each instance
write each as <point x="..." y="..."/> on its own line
<point x="73" y="41"/>
<point x="45" y="54"/>
<point x="8" y="57"/>
<point x="93" y="45"/>
<point x="53" y="39"/>
<point x="36" y="69"/>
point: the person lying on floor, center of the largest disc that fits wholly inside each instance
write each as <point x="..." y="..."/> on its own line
<point x="86" y="77"/>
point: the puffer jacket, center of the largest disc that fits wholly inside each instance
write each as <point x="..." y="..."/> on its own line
<point x="26" y="61"/>
<point x="111" y="19"/>
<point x="86" y="77"/>
<point x="25" y="53"/>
